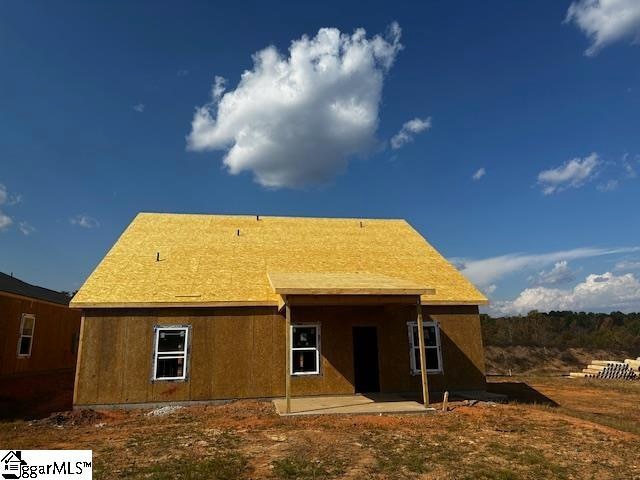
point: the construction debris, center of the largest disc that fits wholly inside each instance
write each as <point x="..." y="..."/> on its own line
<point x="161" y="412"/>
<point x="611" y="369"/>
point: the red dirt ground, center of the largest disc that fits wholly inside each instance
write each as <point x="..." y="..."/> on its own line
<point x="555" y="428"/>
<point x="36" y="396"/>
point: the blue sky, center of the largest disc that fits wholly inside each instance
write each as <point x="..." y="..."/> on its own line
<point x="97" y="103"/>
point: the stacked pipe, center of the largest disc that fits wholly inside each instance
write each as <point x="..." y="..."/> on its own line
<point x="611" y="369"/>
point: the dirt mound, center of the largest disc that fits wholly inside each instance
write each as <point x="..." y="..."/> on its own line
<point x="74" y="417"/>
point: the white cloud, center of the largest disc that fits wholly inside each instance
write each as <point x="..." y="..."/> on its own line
<point x="489" y="289"/>
<point x="15" y="199"/>
<point x="183" y="72"/>
<point x="26" y="228"/>
<point x="571" y="174"/>
<point x="218" y="88"/>
<point x="604" y="293"/>
<point x="409" y="130"/>
<point x="486" y="271"/>
<point x="296" y="120"/>
<point x="139" y="107"/>
<point x="626" y="265"/>
<point x="627" y="165"/>
<point x="605" y="21"/>
<point x="481" y="172"/>
<point x="5" y="221"/>
<point x="608" y="186"/>
<point x="84" y="221"/>
<point x="7" y="199"/>
<point x="558" y="275"/>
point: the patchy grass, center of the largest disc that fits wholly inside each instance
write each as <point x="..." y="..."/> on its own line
<point x="296" y="467"/>
<point x="611" y="403"/>
<point x="220" y="466"/>
<point x="558" y="428"/>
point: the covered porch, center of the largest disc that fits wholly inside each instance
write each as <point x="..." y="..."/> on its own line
<point x="359" y="291"/>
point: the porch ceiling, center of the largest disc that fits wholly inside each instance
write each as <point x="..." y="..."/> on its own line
<point x="357" y="283"/>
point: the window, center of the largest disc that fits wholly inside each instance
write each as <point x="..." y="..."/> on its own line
<point x="305" y="349"/>
<point x="25" y="342"/>
<point x="432" y="350"/>
<point x="170" y="353"/>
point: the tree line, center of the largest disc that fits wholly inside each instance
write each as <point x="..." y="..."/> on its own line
<point x="565" y="329"/>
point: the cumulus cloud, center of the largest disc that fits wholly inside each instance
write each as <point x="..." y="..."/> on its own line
<point x="26" y="228"/>
<point x="139" y="107"/>
<point x="605" y="21"/>
<point x="297" y="119"/>
<point x="571" y="174"/>
<point x="481" y="172"/>
<point x="84" y="221"/>
<point x="409" y="130"/>
<point x="606" y="292"/>
<point x="490" y="270"/>
<point x="560" y="274"/>
<point x="218" y="88"/>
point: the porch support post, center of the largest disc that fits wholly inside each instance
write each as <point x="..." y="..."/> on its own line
<point x="423" y="360"/>
<point x="287" y="373"/>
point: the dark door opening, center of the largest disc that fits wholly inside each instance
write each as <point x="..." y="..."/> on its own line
<point x="365" y="359"/>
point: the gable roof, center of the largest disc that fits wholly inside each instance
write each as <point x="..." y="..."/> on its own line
<point x="10" y="284"/>
<point x="225" y="259"/>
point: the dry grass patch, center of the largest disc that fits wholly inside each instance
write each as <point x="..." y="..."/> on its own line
<point x="580" y="438"/>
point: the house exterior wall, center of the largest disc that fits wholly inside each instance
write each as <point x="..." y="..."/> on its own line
<point x="240" y="352"/>
<point x="56" y="329"/>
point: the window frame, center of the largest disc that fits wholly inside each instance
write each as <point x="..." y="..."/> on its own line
<point x="317" y="348"/>
<point x="21" y="335"/>
<point x="157" y="329"/>
<point x="438" y="346"/>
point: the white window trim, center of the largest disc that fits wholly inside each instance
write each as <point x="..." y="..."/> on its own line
<point x="170" y="355"/>
<point x="316" y="348"/>
<point x="414" y="368"/>
<point x="22" y="335"/>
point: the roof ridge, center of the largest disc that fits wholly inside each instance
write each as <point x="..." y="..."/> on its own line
<point x="30" y="284"/>
<point x="22" y="288"/>
<point x="279" y="217"/>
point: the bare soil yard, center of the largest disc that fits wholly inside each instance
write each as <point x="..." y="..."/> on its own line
<point x="577" y="429"/>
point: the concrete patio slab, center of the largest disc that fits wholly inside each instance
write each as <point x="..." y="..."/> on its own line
<point x="350" y="405"/>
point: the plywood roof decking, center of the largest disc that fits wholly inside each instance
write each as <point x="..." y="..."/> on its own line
<point x="343" y="284"/>
<point x="203" y="259"/>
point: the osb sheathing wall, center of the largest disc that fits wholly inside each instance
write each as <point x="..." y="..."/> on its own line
<point x="239" y="352"/>
<point x="53" y="342"/>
